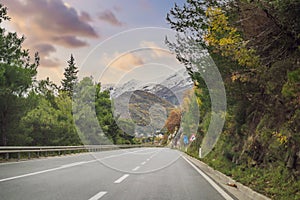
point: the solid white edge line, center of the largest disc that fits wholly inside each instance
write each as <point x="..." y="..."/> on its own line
<point x="47" y="170"/>
<point x="73" y="164"/>
<point x="98" y="195"/>
<point x="122" y="178"/>
<point x="209" y="180"/>
<point x="30" y="174"/>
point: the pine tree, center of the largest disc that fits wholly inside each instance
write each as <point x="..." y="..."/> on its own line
<point x="17" y="73"/>
<point x="70" y="77"/>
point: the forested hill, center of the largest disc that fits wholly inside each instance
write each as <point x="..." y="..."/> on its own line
<point x="256" y="46"/>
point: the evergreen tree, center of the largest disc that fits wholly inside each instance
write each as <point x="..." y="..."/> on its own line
<point x="70" y="77"/>
<point x="17" y="74"/>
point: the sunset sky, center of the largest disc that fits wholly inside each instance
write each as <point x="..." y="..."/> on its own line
<point x="110" y="40"/>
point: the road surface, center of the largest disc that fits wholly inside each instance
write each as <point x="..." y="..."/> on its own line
<point x="140" y="173"/>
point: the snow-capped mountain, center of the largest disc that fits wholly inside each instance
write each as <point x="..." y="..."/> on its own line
<point x="170" y="88"/>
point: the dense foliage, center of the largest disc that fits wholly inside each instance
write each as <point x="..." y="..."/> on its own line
<point x="16" y="77"/>
<point x="256" y="45"/>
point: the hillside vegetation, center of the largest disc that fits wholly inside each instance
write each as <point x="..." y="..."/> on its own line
<point x="256" y="46"/>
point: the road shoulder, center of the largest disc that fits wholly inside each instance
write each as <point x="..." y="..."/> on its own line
<point x="240" y="191"/>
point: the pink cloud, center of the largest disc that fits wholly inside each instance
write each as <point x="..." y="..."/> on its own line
<point x="109" y="17"/>
<point x="45" y="49"/>
<point x="125" y="62"/>
<point x="69" y="41"/>
<point x="50" y="23"/>
<point x="52" y="17"/>
<point x="85" y="17"/>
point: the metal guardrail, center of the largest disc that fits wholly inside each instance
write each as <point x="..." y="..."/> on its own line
<point x="6" y="151"/>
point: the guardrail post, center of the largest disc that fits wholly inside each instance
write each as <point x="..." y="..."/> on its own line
<point x="28" y="155"/>
<point x="46" y="153"/>
<point x="38" y="154"/>
<point x="7" y="156"/>
<point x="19" y="156"/>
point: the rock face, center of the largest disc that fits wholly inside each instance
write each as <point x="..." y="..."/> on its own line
<point x="148" y="104"/>
<point x="136" y="105"/>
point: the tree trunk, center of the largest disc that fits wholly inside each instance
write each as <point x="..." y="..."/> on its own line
<point x="3" y="129"/>
<point x="292" y="160"/>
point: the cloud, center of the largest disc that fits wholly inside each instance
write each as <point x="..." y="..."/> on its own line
<point x="69" y="41"/>
<point x="50" y="23"/>
<point x="48" y="18"/>
<point x="124" y="62"/>
<point x="85" y="17"/>
<point x="56" y="73"/>
<point x="44" y="52"/>
<point x="157" y="51"/>
<point x="52" y="63"/>
<point x="117" y="8"/>
<point x="45" y="49"/>
<point x="109" y="17"/>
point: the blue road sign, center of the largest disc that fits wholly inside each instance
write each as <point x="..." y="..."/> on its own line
<point x="185" y="139"/>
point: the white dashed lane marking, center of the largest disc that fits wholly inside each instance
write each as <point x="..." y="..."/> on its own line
<point x="136" y="168"/>
<point x="122" y="178"/>
<point x="98" y="196"/>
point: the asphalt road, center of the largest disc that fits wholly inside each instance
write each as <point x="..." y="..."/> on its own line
<point x="141" y="173"/>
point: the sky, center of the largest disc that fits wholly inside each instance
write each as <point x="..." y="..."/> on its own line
<point x="113" y="41"/>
